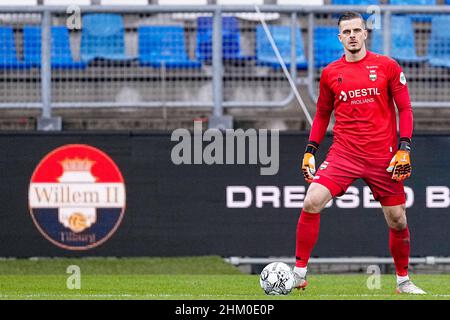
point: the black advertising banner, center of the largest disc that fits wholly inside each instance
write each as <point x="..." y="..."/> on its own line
<point x="133" y="194"/>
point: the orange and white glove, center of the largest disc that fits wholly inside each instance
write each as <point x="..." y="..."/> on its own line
<point x="400" y="165"/>
<point x="309" y="162"/>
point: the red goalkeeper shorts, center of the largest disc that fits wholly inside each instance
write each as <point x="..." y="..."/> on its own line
<point x="340" y="170"/>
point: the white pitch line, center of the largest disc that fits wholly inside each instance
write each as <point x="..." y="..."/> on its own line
<point x="117" y="295"/>
<point x="3" y="296"/>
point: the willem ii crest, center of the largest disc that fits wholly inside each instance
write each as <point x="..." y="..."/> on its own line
<point x="77" y="197"/>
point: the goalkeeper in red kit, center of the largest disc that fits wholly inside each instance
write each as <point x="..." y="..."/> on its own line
<point x="360" y="88"/>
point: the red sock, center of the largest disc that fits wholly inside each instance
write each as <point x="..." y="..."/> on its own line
<point x="400" y="248"/>
<point x="307" y="235"/>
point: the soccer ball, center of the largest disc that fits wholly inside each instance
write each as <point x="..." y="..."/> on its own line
<point x="277" y="279"/>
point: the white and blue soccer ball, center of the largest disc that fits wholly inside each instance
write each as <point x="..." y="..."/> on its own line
<point x="277" y="278"/>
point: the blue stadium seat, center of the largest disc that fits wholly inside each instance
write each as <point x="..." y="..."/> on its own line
<point x="8" y="52"/>
<point x="282" y="37"/>
<point x="103" y="37"/>
<point x="355" y="2"/>
<point x="413" y="2"/>
<point x="439" y="44"/>
<point x="231" y="39"/>
<point x="327" y="47"/>
<point x="61" y="54"/>
<point x="164" y="44"/>
<point x="416" y="17"/>
<point x="403" y="47"/>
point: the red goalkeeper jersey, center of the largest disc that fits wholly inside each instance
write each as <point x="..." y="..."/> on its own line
<point x="362" y="95"/>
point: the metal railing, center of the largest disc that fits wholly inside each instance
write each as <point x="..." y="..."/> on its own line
<point x="217" y="84"/>
<point x="430" y="260"/>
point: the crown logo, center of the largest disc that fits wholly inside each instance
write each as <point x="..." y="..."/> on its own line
<point x="77" y="164"/>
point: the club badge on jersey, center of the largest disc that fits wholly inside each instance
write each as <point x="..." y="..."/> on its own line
<point x="373" y="75"/>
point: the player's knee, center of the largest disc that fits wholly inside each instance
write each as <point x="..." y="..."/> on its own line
<point x="313" y="204"/>
<point x="397" y="218"/>
<point x="398" y="223"/>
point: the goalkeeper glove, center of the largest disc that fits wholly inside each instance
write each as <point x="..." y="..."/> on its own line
<point x="309" y="162"/>
<point x="400" y="165"/>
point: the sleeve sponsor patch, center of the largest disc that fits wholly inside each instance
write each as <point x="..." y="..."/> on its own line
<point x="402" y="78"/>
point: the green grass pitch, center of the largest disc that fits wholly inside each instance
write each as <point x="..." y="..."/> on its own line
<point x="204" y="278"/>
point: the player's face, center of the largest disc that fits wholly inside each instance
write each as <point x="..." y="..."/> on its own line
<point x="352" y="35"/>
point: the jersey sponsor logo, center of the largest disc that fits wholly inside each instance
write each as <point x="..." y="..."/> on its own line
<point x="343" y="96"/>
<point x="367" y="94"/>
<point x="363" y="101"/>
<point x="402" y="78"/>
<point x="360" y="96"/>
<point x="77" y="197"/>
